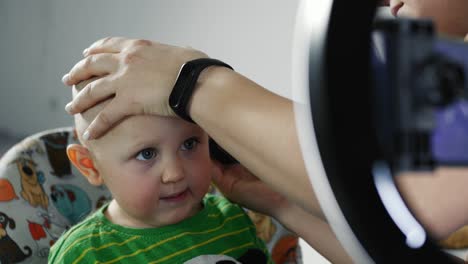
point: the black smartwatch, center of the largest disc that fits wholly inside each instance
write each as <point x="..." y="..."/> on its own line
<point x="185" y="83"/>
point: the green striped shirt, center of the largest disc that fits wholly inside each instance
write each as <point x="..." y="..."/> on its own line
<point x="220" y="228"/>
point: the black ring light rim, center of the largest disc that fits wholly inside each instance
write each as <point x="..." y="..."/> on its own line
<point x="343" y="125"/>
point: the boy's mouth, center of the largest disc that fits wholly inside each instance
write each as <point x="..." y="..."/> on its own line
<point x="176" y="196"/>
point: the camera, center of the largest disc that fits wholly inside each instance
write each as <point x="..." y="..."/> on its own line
<point x="420" y="95"/>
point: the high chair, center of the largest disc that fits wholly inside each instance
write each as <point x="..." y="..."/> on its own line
<point x="41" y="196"/>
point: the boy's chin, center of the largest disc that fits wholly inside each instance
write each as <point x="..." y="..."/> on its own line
<point x="180" y="214"/>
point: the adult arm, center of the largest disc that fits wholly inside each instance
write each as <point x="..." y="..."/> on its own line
<point x="253" y="124"/>
<point x="438" y="198"/>
<point x="257" y="127"/>
<point x="239" y="185"/>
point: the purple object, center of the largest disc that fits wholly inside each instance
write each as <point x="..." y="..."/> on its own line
<point x="450" y="136"/>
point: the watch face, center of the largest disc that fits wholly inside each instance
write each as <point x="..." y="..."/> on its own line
<point x="180" y="86"/>
<point x="183" y="89"/>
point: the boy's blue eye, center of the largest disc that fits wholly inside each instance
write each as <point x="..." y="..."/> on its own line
<point x="189" y="144"/>
<point x="146" y="154"/>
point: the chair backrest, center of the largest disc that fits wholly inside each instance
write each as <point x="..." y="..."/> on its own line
<point x="41" y="196"/>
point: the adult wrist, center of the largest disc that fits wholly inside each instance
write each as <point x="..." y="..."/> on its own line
<point x="186" y="83"/>
<point x="210" y="91"/>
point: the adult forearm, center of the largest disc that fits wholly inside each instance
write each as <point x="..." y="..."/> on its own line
<point x="257" y="127"/>
<point x="438" y="199"/>
<point x="315" y="231"/>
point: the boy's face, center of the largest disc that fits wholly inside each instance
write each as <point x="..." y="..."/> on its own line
<point x="450" y="16"/>
<point x="158" y="169"/>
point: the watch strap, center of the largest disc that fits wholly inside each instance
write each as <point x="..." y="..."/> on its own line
<point x="185" y="84"/>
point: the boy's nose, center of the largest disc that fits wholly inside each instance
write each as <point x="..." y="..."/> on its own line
<point x="173" y="172"/>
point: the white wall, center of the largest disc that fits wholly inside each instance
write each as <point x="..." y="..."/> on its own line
<point x="41" y="40"/>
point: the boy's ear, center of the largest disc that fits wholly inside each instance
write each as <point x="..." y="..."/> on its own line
<point x="81" y="158"/>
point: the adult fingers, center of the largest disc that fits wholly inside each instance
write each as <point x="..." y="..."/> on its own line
<point x="217" y="175"/>
<point x="95" y="91"/>
<point x="218" y="171"/>
<point x="112" y="113"/>
<point x="95" y="65"/>
<point x="113" y="45"/>
<point x="224" y="183"/>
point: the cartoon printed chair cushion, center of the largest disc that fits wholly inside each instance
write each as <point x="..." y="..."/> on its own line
<point x="282" y="244"/>
<point x="41" y="196"/>
<point x="456" y="240"/>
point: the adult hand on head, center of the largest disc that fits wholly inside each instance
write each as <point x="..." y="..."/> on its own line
<point x="239" y="185"/>
<point x="140" y="75"/>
